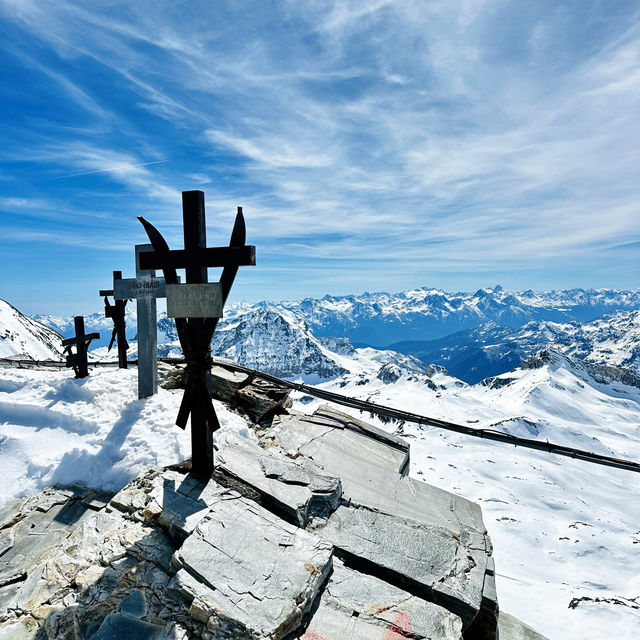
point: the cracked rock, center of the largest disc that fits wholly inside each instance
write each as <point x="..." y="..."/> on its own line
<point x="356" y="605"/>
<point x="255" y="574"/>
<point x="427" y="559"/>
<point x="369" y="472"/>
<point x="297" y="488"/>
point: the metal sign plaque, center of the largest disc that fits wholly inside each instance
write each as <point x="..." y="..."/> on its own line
<point x="194" y="300"/>
<point x="135" y="288"/>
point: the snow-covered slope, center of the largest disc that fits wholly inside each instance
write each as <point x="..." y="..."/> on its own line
<point x="21" y="336"/>
<point x="94" y="431"/>
<point x="562" y="529"/>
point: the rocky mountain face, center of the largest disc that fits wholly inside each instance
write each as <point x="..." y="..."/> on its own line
<point x="23" y="337"/>
<point x="271" y="340"/>
<point x="278" y="342"/>
<point x="491" y="349"/>
<point x="381" y="319"/>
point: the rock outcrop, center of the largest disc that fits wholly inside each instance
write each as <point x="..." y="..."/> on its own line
<point x="311" y="530"/>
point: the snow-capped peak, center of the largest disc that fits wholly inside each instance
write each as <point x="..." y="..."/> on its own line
<point x="20" y="336"/>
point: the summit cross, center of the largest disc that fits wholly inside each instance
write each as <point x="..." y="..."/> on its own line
<point x="196" y="307"/>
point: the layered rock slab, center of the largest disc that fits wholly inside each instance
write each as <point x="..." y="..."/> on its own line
<point x="257" y="575"/>
<point x="297" y="489"/>
<point x="425" y="559"/>
<point x="363" y="607"/>
<point x="510" y="628"/>
<point x="370" y="471"/>
<point x="429" y="541"/>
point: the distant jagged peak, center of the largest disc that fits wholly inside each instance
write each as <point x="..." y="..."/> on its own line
<point x="556" y="362"/>
<point x="546" y="357"/>
<point x="341" y="345"/>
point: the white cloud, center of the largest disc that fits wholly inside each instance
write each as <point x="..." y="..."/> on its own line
<point x="458" y="133"/>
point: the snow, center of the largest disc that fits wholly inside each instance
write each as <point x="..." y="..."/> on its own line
<point x="24" y="337"/>
<point x="561" y="528"/>
<point x="94" y="431"/>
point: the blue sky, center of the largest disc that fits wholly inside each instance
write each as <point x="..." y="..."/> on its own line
<point x="374" y="145"/>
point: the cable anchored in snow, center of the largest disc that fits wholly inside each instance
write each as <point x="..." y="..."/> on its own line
<point x="406" y="416"/>
<point x="380" y="410"/>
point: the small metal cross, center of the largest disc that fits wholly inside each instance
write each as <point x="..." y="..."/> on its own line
<point x="78" y="360"/>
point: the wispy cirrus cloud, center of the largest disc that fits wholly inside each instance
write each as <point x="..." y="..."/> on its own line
<point x="455" y="140"/>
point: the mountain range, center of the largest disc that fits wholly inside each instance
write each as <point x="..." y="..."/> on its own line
<point x="473" y="335"/>
<point x="559" y="366"/>
<point x="491" y="349"/>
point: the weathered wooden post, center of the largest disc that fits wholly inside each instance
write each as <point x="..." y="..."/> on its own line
<point x="116" y="313"/>
<point x="196" y="307"/>
<point x="147" y="331"/>
<point x="81" y="342"/>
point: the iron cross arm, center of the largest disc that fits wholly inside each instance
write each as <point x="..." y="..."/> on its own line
<point x="204" y="257"/>
<point x="79" y="339"/>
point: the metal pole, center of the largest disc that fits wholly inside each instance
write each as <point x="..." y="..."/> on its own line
<point x="120" y="327"/>
<point x="147" y="333"/>
<point x="81" y="347"/>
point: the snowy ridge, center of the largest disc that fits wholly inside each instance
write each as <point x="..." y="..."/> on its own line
<point x="383" y="318"/>
<point x="491" y="348"/>
<point x="23" y="337"/>
<point x="562" y="529"/>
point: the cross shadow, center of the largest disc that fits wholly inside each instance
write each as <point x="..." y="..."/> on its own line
<point x="94" y="468"/>
<point x="176" y="508"/>
<point x="132" y="597"/>
<point x="74" y="509"/>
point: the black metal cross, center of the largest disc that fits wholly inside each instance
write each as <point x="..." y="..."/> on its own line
<point x="78" y="360"/>
<point x="195" y="334"/>
<point x="116" y="313"/>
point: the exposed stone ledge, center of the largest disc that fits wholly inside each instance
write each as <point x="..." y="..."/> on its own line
<point x="308" y="532"/>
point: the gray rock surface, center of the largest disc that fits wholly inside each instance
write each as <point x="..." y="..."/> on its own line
<point x="308" y="531"/>
<point x="510" y="628"/>
<point x="429" y="540"/>
<point x="356" y="605"/>
<point x="84" y="573"/>
<point x="370" y="473"/>
<point x="298" y="488"/>
<point x="257" y="574"/>
<point x="427" y="559"/>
